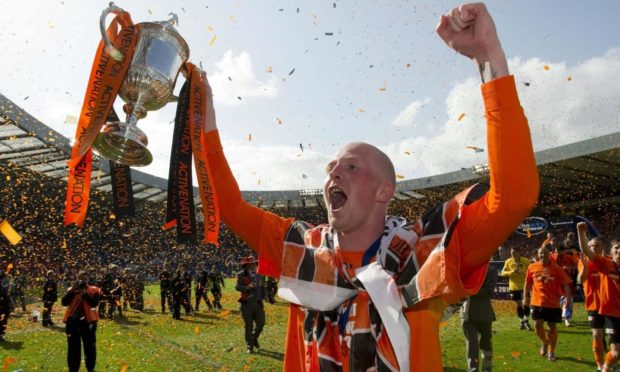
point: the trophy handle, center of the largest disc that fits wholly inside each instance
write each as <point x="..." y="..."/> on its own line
<point x="174" y="19"/>
<point x="173" y="98"/>
<point x="104" y="35"/>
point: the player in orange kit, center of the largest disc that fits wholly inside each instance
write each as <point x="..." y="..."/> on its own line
<point x="609" y="293"/>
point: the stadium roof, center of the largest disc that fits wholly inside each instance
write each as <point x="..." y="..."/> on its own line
<point x="571" y="175"/>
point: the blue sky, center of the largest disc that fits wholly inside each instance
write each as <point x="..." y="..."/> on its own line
<point x="383" y="76"/>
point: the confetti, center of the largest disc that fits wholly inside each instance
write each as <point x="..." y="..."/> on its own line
<point x="546" y="67"/>
<point x="361" y="110"/>
<point x="515" y="354"/>
<point x="400" y="177"/>
<point x="461" y="117"/>
<point x="196" y="330"/>
<point x="269" y="69"/>
<point x="212" y="40"/>
<point x="9" y="232"/>
<point x="250" y="137"/>
<point x="123" y="366"/>
<point x="408" y="65"/>
<point x="407" y="153"/>
<point x="209" y="28"/>
<point x="279" y="121"/>
<point x="476" y="149"/>
<point x="71" y="119"/>
<point x="329" y="34"/>
<point x="291" y="73"/>
<point x="570" y="78"/>
<point x="527" y="84"/>
<point x="301" y="146"/>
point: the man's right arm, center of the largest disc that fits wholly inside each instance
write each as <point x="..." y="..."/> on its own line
<point x="263" y="231"/>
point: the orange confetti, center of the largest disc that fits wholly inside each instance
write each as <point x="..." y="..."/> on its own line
<point x="112" y="216"/>
<point x="209" y="28"/>
<point x="196" y="330"/>
<point x="515" y="354"/>
<point x="212" y="40"/>
<point x="400" y="177"/>
<point x="279" y="121"/>
<point x="407" y="153"/>
<point x="570" y="78"/>
<point x="383" y="89"/>
<point x="7" y="362"/>
<point x="269" y="69"/>
<point x="123" y="366"/>
<point x="546" y="67"/>
<point x="64" y="244"/>
<point x="8" y="178"/>
<point x="461" y="116"/>
<point x="250" y="137"/>
<point x="361" y="110"/>
<point x="408" y="65"/>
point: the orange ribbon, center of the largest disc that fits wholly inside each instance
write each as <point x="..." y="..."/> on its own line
<point x="106" y="77"/>
<point x="197" y="119"/>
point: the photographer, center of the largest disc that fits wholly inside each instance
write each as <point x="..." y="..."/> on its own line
<point x="81" y="322"/>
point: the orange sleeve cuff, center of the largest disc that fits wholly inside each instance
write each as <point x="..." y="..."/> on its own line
<point x="500" y="93"/>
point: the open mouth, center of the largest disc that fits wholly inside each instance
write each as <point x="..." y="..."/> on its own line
<point x="337" y="198"/>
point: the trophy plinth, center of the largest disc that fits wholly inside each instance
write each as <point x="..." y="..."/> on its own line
<point x="148" y="85"/>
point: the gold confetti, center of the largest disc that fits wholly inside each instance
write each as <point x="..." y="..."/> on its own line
<point x="250" y="137"/>
<point x="570" y="78"/>
<point x="384" y="87"/>
<point x="209" y="28"/>
<point x="196" y="330"/>
<point x="400" y="177"/>
<point x="123" y="366"/>
<point x="546" y="67"/>
<point x="8" y="178"/>
<point x="408" y="65"/>
<point x="232" y="18"/>
<point x="112" y="216"/>
<point x="461" y="117"/>
<point x="269" y="69"/>
<point x="407" y="153"/>
<point x="212" y="40"/>
<point x="361" y="110"/>
<point x="279" y="121"/>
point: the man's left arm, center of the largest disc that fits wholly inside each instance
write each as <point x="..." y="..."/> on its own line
<point x="514" y="184"/>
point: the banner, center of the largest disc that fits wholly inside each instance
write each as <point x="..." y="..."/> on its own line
<point x="197" y="118"/>
<point x="106" y="76"/>
<point x="181" y="210"/>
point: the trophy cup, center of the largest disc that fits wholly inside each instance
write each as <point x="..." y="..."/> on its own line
<point x="147" y="86"/>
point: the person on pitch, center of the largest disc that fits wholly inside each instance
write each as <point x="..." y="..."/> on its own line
<point x="590" y="279"/>
<point x="609" y="283"/>
<point x="364" y="259"/>
<point x="545" y="283"/>
<point x="515" y="268"/>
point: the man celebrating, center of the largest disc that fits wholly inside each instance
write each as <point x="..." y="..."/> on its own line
<point x="590" y="278"/>
<point x="367" y="290"/>
<point x="609" y="307"/>
<point x="515" y="268"/>
<point x="547" y="282"/>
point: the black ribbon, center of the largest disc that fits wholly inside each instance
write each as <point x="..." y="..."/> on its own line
<point x="180" y="203"/>
<point x="122" y="191"/>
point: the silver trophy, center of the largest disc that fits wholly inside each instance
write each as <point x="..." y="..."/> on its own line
<point x="147" y="86"/>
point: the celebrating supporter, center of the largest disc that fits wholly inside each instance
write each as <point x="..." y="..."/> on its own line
<point x="328" y="270"/>
<point x="515" y="268"/>
<point x="545" y="283"/>
<point x="609" y="306"/>
<point x="589" y="277"/>
<point x="50" y="296"/>
<point x="567" y="259"/>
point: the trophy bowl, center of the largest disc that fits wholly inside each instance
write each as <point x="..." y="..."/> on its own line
<point x="147" y="86"/>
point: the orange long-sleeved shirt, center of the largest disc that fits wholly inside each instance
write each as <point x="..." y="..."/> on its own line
<point x="483" y="225"/>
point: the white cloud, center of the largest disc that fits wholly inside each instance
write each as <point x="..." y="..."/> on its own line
<point x="234" y="77"/>
<point x="564" y="104"/>
<point x="406" y="117"/>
